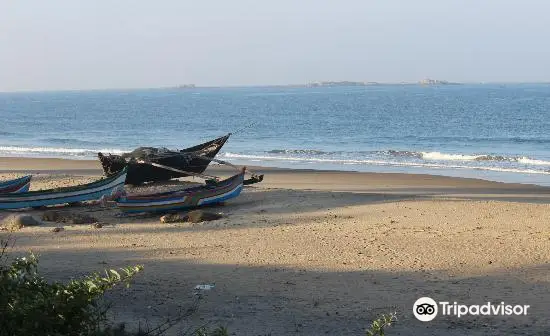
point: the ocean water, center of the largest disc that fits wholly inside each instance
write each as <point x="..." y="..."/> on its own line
<point x="494" y="132"/>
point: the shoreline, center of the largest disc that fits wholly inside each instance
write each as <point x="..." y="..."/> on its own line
<point x="536" y="174"/>
<point x="405" y="185"/>
<point x="88" y="167"/>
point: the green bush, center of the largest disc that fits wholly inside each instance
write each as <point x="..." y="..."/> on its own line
<point x="29" y="305"/>
<point x="379" y="325"/>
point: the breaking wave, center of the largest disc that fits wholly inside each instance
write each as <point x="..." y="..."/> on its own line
<point x="522" y="170"/>
<point x="299" y="151"/>
<point x="438" y="156"/>
<point x="404" y="154"/>
<point x="527" y="160"/>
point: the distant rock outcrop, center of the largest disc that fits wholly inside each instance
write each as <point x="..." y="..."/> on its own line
<point x="186" y="86"/>
<point x="429" y="81"/>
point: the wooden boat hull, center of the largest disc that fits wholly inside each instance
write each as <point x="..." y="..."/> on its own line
<point x="184" y="199"/>
<point x="18" y="185"/>
<point x="85" y="192"/>
<point x="139" y="173"/>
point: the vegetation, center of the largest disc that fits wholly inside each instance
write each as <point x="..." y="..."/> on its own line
<point x="378" y="326"/>
<point x="29" y="305"/>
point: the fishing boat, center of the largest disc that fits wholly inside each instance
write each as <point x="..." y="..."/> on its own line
<point x="208" y="194"/>
<point x="85" y="192"/>
<point x="147" y="164"/>
<point x="18" y="185"/>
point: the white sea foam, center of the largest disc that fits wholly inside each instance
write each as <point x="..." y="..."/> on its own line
<point x="529" y="161"/>
<point x="438" y="156"/>
<point x="403" y="154"/>
<point x="15" y="150"/>
<point x="382" y="163"/>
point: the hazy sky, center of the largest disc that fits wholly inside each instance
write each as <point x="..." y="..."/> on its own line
<point x="82" y="44"/>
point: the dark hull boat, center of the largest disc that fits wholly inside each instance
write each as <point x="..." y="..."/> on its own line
<point x="16" y="186"/>
<point x="147" y="164"/>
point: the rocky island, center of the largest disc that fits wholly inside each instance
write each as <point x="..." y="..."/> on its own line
<point x="429" y="81"/>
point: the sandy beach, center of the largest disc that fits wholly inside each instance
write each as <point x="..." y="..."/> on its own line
<point x="316" y="252"/>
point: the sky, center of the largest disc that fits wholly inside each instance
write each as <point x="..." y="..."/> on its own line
<point x="97" y="44"/>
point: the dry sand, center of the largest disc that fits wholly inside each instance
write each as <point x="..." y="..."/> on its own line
<point x="318" y="253"/>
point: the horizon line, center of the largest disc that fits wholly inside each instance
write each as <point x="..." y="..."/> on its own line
<point x="191" y="86"/>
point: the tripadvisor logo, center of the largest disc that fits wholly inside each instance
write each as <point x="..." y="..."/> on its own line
<point x="426" y="309"/>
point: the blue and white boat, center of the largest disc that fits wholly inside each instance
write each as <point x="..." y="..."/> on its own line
<point x="185" y="199"/>
<point x="18" y="185"/>
<point x="85" y="192"/>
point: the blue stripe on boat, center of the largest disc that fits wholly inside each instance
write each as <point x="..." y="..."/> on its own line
<point x="17" y="185"/>
<point x="23" y="189"/>
<point x="236" y="192"/>
<point x="15" y="181"/>
<point x="183" y="199"/>
<point x="85" y="192"/>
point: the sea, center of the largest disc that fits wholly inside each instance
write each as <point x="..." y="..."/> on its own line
<point x="497" y="132"/>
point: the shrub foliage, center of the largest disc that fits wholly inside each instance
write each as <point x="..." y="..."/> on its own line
<point x="29" y="305"/>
